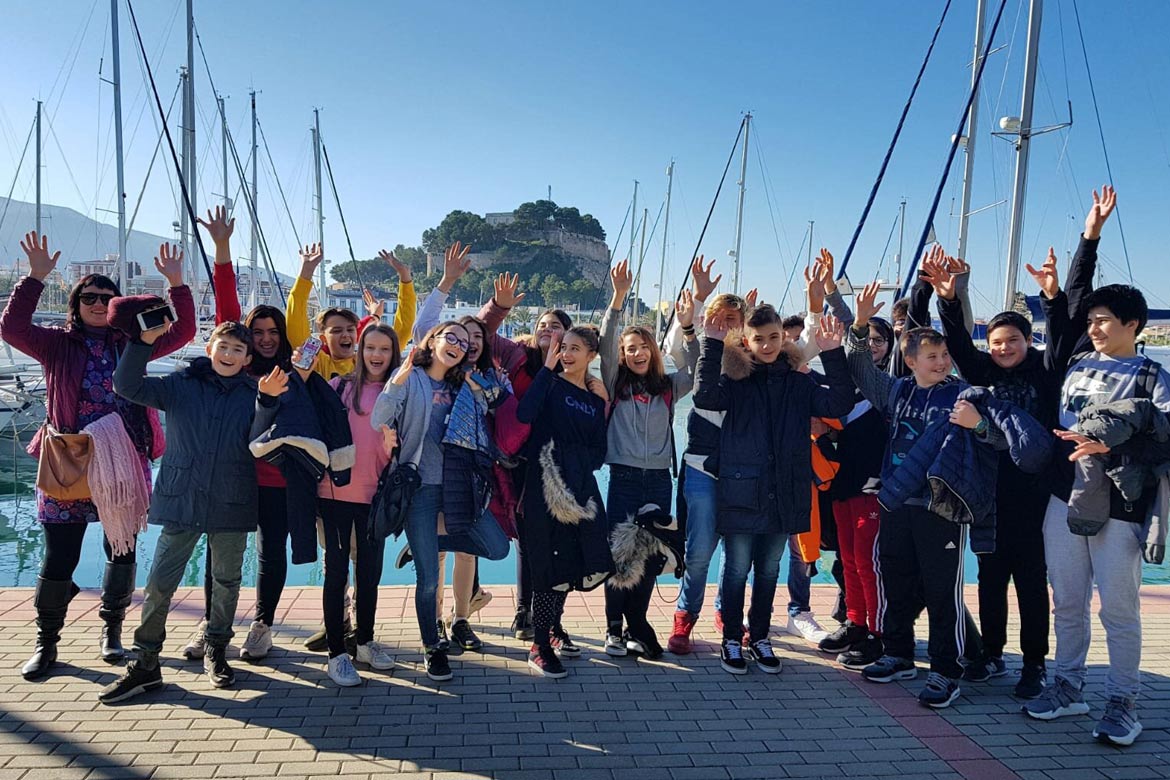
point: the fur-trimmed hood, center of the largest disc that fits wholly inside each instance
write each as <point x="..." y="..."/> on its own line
<point x="562" y="504"/>
<point x="649" y="538"/>
<point x="737" y="361"/>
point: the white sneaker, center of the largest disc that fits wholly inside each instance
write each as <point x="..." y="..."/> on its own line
<point x="375" y="656"/>
<point x="196" y="645"/>
<point x="258" y="642"/>
<point x="615" y="645"/>
<point x="480" y="599"/>
<point x="803" y="624"/>
<point x="341" y="671"/>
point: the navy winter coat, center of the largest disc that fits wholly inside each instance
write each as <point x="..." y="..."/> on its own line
<point x="764" y="463"/>
<point x="207" y="479"/>
<point x="959" y="468"/>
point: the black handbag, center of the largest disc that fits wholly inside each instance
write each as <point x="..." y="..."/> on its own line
<point x="396" y="488"/>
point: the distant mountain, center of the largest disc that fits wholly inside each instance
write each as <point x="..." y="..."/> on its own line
<point x="76" y="235"/>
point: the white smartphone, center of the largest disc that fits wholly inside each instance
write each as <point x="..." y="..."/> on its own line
<point x="156" y="317"/>
<point x="309" y="351"/>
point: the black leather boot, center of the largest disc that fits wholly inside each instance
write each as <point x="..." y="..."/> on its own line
<point x="52" y="603"/>
<point x="117" y="588"/>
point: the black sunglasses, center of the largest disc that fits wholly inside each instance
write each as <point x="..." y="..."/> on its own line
<point x="89" y="299"/>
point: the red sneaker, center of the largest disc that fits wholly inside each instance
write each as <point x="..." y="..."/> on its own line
<point x="719" y="628"/>
<point x="680" y="638"/>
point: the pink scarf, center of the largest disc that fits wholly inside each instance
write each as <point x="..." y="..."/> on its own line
<point x="116" y="484"/>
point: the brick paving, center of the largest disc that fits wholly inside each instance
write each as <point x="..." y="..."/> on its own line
<point x="673" y="719"/>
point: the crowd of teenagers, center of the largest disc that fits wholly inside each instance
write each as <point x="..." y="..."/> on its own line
<point x="902" y="448"/>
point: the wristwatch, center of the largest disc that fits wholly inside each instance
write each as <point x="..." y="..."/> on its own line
<point x="981" y="427"/>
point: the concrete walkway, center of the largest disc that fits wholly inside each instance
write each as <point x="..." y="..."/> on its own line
<point x="673" y="719"/>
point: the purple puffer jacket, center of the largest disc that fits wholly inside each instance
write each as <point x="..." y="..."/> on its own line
<point x="62" y="350"/>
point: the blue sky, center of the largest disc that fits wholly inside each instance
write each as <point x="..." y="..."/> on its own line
<point x="429" y="107"/>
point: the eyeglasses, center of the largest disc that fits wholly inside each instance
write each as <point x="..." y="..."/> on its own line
<point x="89" y="299"/>
<point x="455" y="341"/>
<point x="877" y="341"/>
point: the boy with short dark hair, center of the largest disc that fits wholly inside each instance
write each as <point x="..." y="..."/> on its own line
<point x="1103" y="542"/>
<point x="206" y="485"/>
<point x="916" y="546"/>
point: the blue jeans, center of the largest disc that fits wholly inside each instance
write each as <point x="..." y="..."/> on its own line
<point x="699" y="493"/>
<point x="799" y="583"/>
<point x="485" y="539"/>
<point x="745" y="553"/>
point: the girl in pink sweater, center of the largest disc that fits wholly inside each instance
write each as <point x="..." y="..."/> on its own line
<point x="345" y="511"/>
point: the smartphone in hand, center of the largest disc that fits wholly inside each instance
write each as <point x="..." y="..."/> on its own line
<point x="309" y="352"/>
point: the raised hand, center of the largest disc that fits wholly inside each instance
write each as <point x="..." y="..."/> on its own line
<point x="554" y="353"/>
<point x="1046" y="277"/>
<point x="830" y="333"/>
<point x="1085" y="446"/>
<point x="400" y="268"/>
<point x="827" y="262"/>
<point x="374" y="307"/>
<point x="455" y="265"/>
<point x="148" y="337"/>
<point x="1102" y="207"/>
<point x="218" y="226"/>
<point x="867" y="305"/>
<point x="40" y="263"/>
<point x="684" y="309"/>
<point x="752" y="298"/>
<point x="311" y="257"/>
<point x="939" y="276"/>
<point x="169" y="263"/>
<point x="505" y="294"/>
<point x="274" y="383"/>
<point x="621" y="278"/>
<point x="403" y="373"/>
<point x="304" y="372"/>
<point x="389" y="439"/>
<point x="715" y="325"/>
<point x="814" y="285"/>
<point x="704" y="284"/>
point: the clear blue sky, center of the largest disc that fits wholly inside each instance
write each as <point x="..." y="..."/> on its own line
<point x="429" y="107"/>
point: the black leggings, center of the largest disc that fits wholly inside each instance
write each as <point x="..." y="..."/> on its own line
<point x="633" y="603"/>
<point x="63" y="550"/>
<point x="342" y="522"/>
<point x="271" y="554"/>
<point x="547" y="608"/>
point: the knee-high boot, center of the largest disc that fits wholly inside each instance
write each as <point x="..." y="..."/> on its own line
<point x="117" y="588"/>
<point x="52" y="604"/>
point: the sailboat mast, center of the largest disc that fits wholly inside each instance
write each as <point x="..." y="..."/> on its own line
<point x="972" y="129"/>
<point x="253" y="258"/>
<point x="747" y="129"/>
<point x="901" y="242"/>
<point x="320" y="211"/>
<point x="223" y="139"/>
<point x="121" y="273"/>
<point x="38" y="123"/>
<point x="1020" y="188"/>
<point x="662" y="265"/>
<point x="189" y="131"/>
<point x="641" y="259"/>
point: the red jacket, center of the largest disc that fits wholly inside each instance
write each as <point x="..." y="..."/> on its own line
<point x="61" y="351"/>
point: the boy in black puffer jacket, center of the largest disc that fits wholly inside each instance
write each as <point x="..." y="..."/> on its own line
<point x="763" y="463"/>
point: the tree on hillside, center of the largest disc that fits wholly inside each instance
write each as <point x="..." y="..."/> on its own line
<point x="544" y="214"/>
<point x="377" y="272"/>
<point x="461" y="226"/>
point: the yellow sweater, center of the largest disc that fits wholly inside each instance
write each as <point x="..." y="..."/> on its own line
<point x="299" y="328"/>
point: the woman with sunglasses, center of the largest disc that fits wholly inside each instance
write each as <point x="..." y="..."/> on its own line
<point x="79" y="361"/>
<point x="417" y="404"/>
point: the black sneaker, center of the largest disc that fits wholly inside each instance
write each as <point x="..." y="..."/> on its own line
<point x="764" y="656"/>
<point x="984" y="669"/>
<point x="136" y="680"/>
<point x="404" y="557"/>
<point x="463" y="637"/>
<point x="544" y="660"/>
<point x="939" y="691"/>
<point x="1032" y="680"/>
<point x="560" y="641"/>
<point x="843" y="639"/>
<point x="444" y="640"/>
<point x="522" y="625"/>
<point x="215" y="666"/>
<point x="731" y="657"/>
<point x="888" y="669"/>
<point x="438" y="669"/>
<point x="864" y="653"/>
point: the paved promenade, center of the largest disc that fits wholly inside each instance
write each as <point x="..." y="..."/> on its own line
<point x="611" y="718"/>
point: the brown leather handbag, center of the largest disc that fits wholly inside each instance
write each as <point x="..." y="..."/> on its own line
<point x="63" y="468"/>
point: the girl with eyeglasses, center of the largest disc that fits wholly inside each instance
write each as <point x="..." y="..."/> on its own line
<point x="79" y="362"/>
<point x="429" y="402"/>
